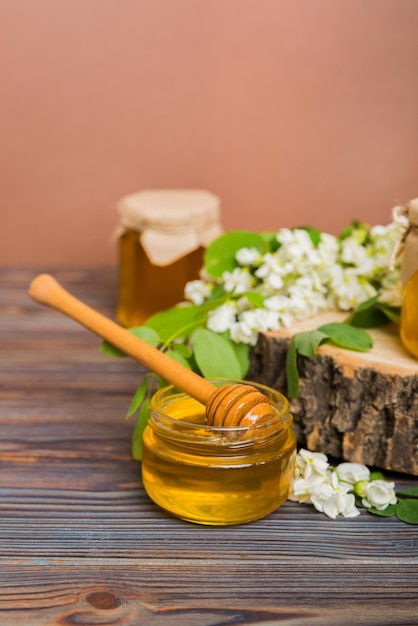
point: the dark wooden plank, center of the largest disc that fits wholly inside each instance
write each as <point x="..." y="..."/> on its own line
<point x="80" y="542"/>
<point x="158" y="592"/>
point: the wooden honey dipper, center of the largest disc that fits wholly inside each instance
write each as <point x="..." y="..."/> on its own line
<point x="227" y="406"/>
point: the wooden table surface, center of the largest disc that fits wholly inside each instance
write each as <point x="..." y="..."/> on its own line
<point x="81" y="543"/>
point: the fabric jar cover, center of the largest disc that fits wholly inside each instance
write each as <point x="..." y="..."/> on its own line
<point x="170" y="223"/>
<point x="407" y="216"/>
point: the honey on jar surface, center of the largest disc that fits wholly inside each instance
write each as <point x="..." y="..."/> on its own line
<point x="409" y="315"/>
<point x="204" y="476"/>
<point x="145" y="288"/>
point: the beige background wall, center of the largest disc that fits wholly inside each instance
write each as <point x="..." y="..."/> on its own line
<point x="292" y="111"/>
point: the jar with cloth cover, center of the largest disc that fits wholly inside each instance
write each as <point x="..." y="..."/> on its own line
<point x="407" y="216"/>
<point x="162" y="235"/>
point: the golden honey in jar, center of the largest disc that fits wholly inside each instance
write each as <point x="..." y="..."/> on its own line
<point x="407" y="216"/>
<point x="162" y="237"/>
<point x="409" y="316"/>
<point x="211" y="475"/>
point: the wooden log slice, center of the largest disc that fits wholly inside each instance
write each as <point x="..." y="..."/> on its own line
<point x="356" y="406"/>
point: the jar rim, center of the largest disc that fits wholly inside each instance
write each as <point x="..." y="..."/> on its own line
<point x="283" y="416"/>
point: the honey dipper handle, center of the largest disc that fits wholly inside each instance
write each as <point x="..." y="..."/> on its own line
<point x="46" y="290"/>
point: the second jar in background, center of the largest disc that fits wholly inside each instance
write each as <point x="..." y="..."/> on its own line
<point x="162" y="236"/>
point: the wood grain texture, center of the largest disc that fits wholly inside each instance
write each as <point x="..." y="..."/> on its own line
<point x="81" y="544"/>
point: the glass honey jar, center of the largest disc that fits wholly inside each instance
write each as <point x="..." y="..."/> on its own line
<point x="407" y="216"/>
<point x="211" y="475"/>
<point x="162" y="237"/>
<point x="409" y="316"/>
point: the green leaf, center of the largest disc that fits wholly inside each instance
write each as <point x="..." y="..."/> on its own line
<point x="182" y="349"/>
<point x="292" y="374"/>
<point x="138" y="397"/>
<point x="270" y="237"/>
<point x="179" y="321"/>
<point x="215" y="356"/>
<point x="372" y="318"/>
<point x="411" y="492"/>
<point x="366" y="304"/>
<point x="146" y="334"/>
<point x="242" y="352"/>
<point x="377" y="476"/>
<point x="352" y="228"/>
<point x="347" y="336"/>
<point x="369" y="318"/>
<point x="213" y="303"/>
<point x="371" y="313"/>
<point x="389" y="511"/>
<point x="219" y="256"/>
<point x="308" y="342"/>
<point x="392" y="313"/>
<point x="218" y="292"/>
<point x="109" y="350"/>
<point x="177" y="357"/>
<point x="255" y="298"/>
<point x="140" y="425"/>
<point x="407" y="511"/>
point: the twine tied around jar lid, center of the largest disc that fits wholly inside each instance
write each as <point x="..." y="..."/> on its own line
<point x="406" y="216"/>
<point x="170" y="223"/>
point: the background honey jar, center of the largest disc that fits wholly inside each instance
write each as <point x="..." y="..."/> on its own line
<point x="162" y="237"/>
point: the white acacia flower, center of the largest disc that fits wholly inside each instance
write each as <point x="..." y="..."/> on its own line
<point x="222" y="318"/>
<point x="379" y="494"/>
<point x="261" y="320"/>
<point x="326" y="494"/>
<point x="353" y="253"/>
<point x="349" y="289"/>
<point x="328" y="248"/>
<point x="248" y="256"/>
<point x="308" y="463"/>
<point x="340" y="503"/>
<point x="378" y="231"/>
<point x="333" y="491"/>
<point x="296" y="241"/>
<point x="274" y="282"/>
<point x="278" y="303"/>
<point x="307" y="297"/>
<point x="383" y="242"/>
<point x="240" y="332"/>
<point x="303" y="489"/>
<point x="242" y="304"/>
<point x="283" y="306"/>
<point x="238" y="281"/>
<point x="197" y="291"/>
<point x="391" y="291"/>
<point x="273" y="265"/>
<point x="352" y="473"/>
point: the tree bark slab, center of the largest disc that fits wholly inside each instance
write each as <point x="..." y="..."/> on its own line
<point x="359" y="407"/>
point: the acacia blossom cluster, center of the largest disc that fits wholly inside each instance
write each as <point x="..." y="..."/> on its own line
<point x="333" y="490"/>
<point x="302" y="278"/>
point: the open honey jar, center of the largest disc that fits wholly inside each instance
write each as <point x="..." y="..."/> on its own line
<point x="216" y="476"/>
<point x="162" y="237"/>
